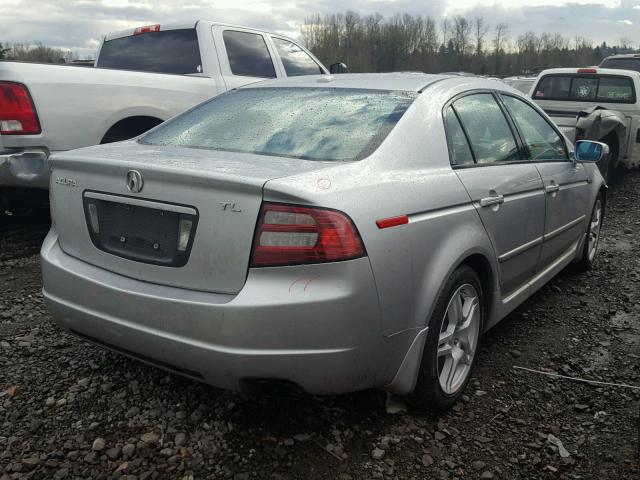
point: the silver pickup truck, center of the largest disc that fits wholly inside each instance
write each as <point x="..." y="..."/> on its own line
<point x="141" y="78"/>
<point x="595" y="103"/>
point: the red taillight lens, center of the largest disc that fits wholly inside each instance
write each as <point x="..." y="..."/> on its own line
<point x="587" y="70"/>
<point x="294" y="235"/>
<point x="17" y="114"/>
<point x="147" y="29"/>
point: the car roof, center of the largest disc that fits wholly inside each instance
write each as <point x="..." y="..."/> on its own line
<point x="400" y="81"/>
<point x="622" y="55"/>
<point x="186" y="25"/>
<point x="598" y="71"/>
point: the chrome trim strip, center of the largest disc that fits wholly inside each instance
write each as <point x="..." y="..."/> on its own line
<point x="568" y="253"/>
<point x="558" y="231"/>
<point x="578" y="183"/>
<point x="516" y="196"/>
<point x="439" y="212"/>
<point x="142" y="203"/>
<point x="521" y="249"/>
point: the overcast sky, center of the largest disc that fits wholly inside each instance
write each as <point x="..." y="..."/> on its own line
<point x="79" y="24"/>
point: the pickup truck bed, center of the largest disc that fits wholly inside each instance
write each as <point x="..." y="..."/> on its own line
<point x="79" y="106"/>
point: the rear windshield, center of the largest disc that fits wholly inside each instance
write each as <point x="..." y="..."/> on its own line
<point x="307" y="123"/>
<point x="585" y="88"/>
<point x="173" y="51"/>
<point x="622" y="63"/>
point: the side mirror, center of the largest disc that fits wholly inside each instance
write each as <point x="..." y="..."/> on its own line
<point x="338" y="68"/>
<point x="588" y="151"/>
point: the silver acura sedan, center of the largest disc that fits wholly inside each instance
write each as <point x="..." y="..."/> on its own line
<point x="330" y="234"/>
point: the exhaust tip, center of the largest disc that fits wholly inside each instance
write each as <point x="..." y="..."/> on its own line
<point x="271" y="387"/>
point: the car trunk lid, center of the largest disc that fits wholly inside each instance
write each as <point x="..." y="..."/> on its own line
<point x="133" y="223"/>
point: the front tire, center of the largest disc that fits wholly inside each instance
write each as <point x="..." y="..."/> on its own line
<point x="592" y="241"/>
<point x="453" y="342"/>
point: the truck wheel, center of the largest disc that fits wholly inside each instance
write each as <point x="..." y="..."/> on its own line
<point x="453" y="342"/>
<point x="20" y="203"/>
<point x="129" y="128"/>
<point x="609" y="169"/>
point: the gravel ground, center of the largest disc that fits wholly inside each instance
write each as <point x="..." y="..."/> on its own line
<point x="71" y="410"/>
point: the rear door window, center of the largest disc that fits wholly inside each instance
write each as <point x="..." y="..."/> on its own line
<point x="295" y="60"/>
<point x="581" y="88"/>
<point x="170" y="51"/>
<point x="248" y="54"/>
<point x="459" y="147"/>
<point x="487" y="128"/>
<point x="541" y="140"/>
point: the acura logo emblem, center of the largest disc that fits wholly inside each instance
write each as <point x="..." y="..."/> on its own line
<point x="134" y="181"/>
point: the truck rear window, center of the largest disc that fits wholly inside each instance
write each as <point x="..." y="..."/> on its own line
<point x="172" y="51"/>
<point x="585" y="88"/>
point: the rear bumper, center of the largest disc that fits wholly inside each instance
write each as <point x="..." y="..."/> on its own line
<point x="316" y="326"/>
<point x="24" y="168"/>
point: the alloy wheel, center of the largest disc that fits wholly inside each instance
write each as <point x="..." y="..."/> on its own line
<point x="594" y="229"/>
<point x="458" y="338"/>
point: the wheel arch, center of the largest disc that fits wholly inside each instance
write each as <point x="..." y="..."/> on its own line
<point x="130" y="127"/>
<point x="477" y="258"/>
<point x="480" y="264"/>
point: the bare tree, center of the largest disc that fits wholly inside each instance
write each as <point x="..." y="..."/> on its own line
<point x="444" y="27"/>
<point x="38" y="52"/>
<point x="501" y="33"/>
<point x="373" y="43"/>
<point x="480" y="29"/>
<point x="626" y="43"/>
<point x="461" y="39"/>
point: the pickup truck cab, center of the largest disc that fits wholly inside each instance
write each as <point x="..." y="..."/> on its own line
<point x="141" y="78"/>
<point x="623" y="61"/>
<point x="599" y="104"/>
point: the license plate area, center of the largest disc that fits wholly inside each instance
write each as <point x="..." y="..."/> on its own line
<point x="145" y="231"/>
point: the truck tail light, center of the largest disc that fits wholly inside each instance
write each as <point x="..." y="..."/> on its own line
<point x="295" y="235"/>
<point x="147" y="29"/>
<point x="587" y="70"/>
<point x="17" y="113"/>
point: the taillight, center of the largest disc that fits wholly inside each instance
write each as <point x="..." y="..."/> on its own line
<point x="147" y="29"/>
<point x="587" y="70"/>
<point x="295" y="235"/>
<point x="17" y="114"/>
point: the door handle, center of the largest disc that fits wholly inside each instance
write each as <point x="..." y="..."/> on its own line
<point x="492" y="200"/>
<point x="551" y="188"/>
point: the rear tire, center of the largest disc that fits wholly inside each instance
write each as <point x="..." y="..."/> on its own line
<point x="453" y="342"/>
<point x="592" y="240"/>
<point x="21" y="203"/>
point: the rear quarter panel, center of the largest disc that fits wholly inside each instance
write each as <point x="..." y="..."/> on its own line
<point x="409" y="175"/>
